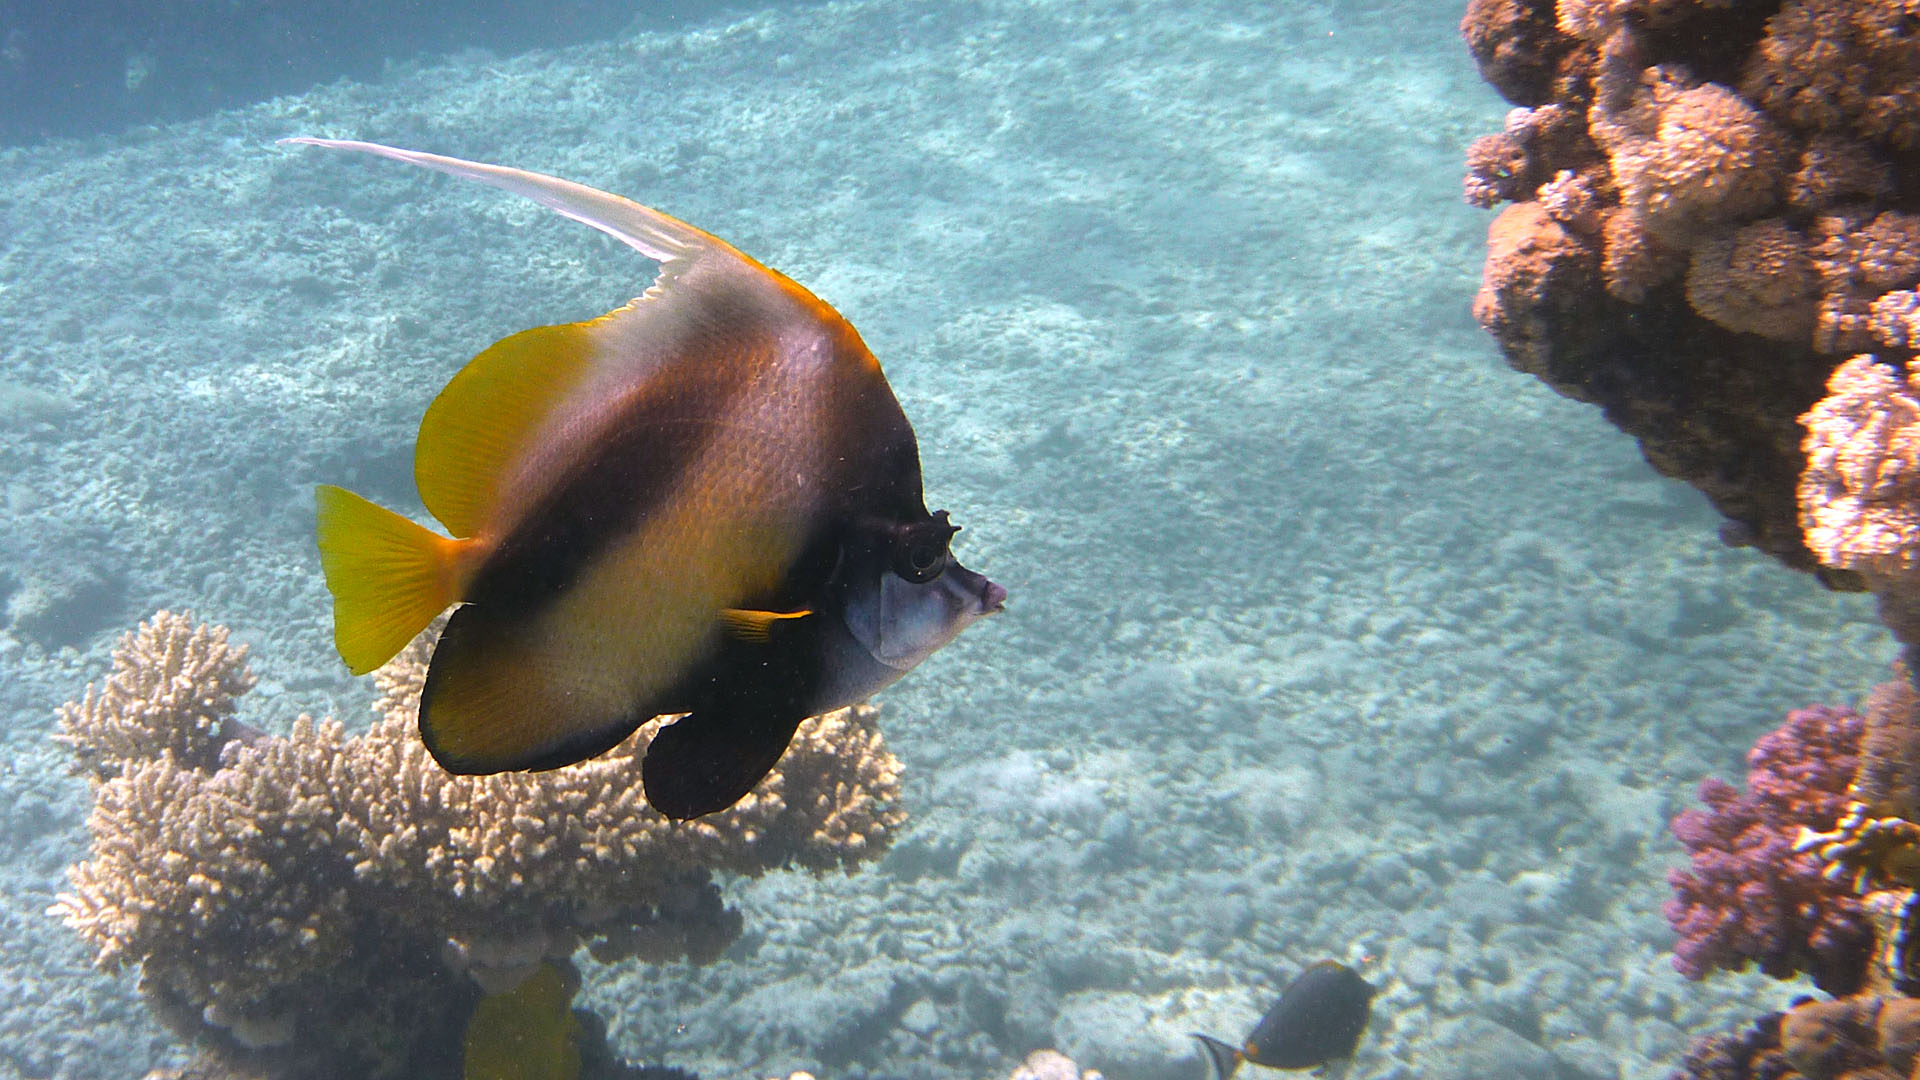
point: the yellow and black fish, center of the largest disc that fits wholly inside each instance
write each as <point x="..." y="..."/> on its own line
<point x="528" y="1032"/>
<point x="706" y="502"/>
<point x="1318" y="1021"/>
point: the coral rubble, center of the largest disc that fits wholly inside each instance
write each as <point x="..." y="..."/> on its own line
<point x="1710" y="212"/>
<point x="1051" y="1065"/>
<point x="323" y="904"/>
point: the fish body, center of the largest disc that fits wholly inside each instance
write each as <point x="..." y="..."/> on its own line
<point x="1317" y="1020"/>
<point x="526" y="1033"/>
<point x="707" y="501"/>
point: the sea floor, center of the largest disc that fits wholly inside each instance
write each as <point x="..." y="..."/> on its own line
<point x="1330" y="636"/>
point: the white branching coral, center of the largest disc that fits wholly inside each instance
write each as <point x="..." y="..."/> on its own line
<point x="173" y="682"/>
<point x="249" y="876"/>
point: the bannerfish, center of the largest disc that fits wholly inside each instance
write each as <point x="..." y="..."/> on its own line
<point x="1318" y="1020"/>
<point x="528" y="1032"/>
<point x="707" y="501"/>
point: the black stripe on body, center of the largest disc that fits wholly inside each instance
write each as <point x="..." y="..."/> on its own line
<point x="609" y="491"/>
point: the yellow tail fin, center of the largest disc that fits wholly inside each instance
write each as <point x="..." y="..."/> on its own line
<point x="388" y="575"/>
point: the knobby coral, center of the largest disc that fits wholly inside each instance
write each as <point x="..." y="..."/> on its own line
<point x="1748" y="896"/>
<point x="1845" y="65"/>
<point x="283" y="895"/>
<point x="1748" y="170"/>
<point x="1859" y="496"/>
<point x="1861" y="1038"/>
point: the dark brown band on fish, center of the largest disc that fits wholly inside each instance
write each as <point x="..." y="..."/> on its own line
<point x="605" y="496"/>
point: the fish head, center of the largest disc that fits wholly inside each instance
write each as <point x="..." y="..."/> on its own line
<point x="905" y="595"/>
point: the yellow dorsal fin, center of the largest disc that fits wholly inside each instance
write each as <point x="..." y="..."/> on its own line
<point x="477" y="427"/>
<point x="756" y="626"/>
<point x="389" y="576"/>
<point x="484" y="418"/>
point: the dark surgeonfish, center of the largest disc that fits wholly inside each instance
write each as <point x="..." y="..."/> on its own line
<point x="1317" y="1021"/>
<point x="705" y="502"/>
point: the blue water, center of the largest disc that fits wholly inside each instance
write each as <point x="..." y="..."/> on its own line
<point x="1331" y="636"/>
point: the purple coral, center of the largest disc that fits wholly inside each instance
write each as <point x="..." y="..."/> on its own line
<point x="1749" y="897"/>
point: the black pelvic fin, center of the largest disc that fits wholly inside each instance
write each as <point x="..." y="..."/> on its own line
<point x="709" y="760"/>
<point x="1222" y="1059"/>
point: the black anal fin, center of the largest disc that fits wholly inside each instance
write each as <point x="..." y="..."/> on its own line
<point x="1222" y="1059"/>
<point x="708" y="760"/>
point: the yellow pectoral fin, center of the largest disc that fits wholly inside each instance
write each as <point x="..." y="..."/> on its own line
<point x="756" y="626"/>
<point x="389" y="576"/>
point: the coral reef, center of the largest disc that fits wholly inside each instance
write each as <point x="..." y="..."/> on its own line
<point x="1743" y="1055"/>
<point x="1859" y="496"/>
<point x="1748" y="895"/>
<point x="172" y="685"/>
<point x="1847" y="917"/>
<point x="326" y="904"/>
<point x="1875" y="843"/>
<point x="1865" y="1038"/>
<point x="1708" y="218"/>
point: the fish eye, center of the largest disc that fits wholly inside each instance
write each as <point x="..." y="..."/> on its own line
<point x="920" y="550"/>
<point x="922" y="557"/>
<point x="920" y="561"/>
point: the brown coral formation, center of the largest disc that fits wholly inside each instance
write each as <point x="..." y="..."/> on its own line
<point x="1751" y="171"/>
<point x="1826" y="1040"/>
<point x="327" y="904"/>
<point x="1860" y="494"/>
<point x="1858" y="1038"/>
<point x="1859" y="497"/>
<point x="172" y="684"/>
<point x="1842" y="65"/>
<point x="1875" y="847"/>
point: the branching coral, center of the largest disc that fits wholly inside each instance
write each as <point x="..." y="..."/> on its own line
<point x="1874" y="842"/>
<point x="1750" y="173"/>
<point x="1748" y="896"/>
<point x="305" y="876"/>
<point x="172" y="683"/>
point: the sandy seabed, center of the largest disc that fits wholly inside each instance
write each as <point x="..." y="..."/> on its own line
<point x="1329" y="636"/>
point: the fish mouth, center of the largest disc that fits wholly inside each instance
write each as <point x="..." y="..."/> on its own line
<point x="993" y="599"/>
